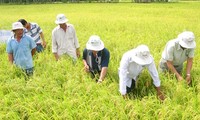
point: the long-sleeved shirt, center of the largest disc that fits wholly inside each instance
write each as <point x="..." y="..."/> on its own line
<point x="129" y="70"/>
<point x="65" y="42"/>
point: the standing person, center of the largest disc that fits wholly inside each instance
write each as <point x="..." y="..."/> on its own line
<point x="131" y="66"/>
<point x="96" y="58"/>
<point x="64" y="39"/>
<point x="34" y="30"/>
<point x="176" y="52"/>
<point x="20" y="49"/>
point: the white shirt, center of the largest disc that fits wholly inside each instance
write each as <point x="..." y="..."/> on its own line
<point x="129" y="70"/>
<point x="174" y="52"/>
<point x="65" y="42"/>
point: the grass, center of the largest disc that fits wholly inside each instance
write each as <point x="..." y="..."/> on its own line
<point x="61" y="90"/>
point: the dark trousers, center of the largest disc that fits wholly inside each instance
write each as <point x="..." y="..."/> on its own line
<point x="29" y="72"/>
<point x="95" y="74"/>
<point x="129" y="89"/>
<point x="39" y="47"/>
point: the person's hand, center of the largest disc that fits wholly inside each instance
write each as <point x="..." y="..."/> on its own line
<point x="78" y="53"/>
<point x="86" y="67"/>
<point x="99" y="81"/>
<point x="44" y="44"/>
<point x="125" y="96"/>
<point x="180" y="78"/>
<point x="188" y="79"/>
<point x="160" y="96"/>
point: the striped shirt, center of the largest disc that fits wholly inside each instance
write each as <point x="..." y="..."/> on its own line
<point x="34" y="32"/>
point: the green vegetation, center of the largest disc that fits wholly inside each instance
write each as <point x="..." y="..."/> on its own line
<point x="60" y="90"/>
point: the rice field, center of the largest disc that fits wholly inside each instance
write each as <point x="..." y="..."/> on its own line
<point x="62" y="90"/>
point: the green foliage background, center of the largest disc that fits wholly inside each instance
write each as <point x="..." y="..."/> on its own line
<point x="61" y="90"/>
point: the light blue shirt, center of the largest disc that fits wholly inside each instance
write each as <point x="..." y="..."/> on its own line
<point x="21" y="51"/>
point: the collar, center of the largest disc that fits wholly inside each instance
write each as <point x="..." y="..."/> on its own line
<point x="13" y="37"/>
<point x="177" y="45"/>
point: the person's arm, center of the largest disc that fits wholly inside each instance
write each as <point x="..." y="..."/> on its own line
<point x="156" y="80"/>
<point x="173" y="70"/>
<point x="56" y="56"/>
<point x="160" y="94"/>
<point x="86" y="67"/>
<point x="43" y="40"/>
<point x="33" y="51"/>
<point x="188" y="69"/>
<point x="54" y="45"/>
<point x="102" y="74"/>
<point x="104" y="64"/>
<point x="77" y="52"/>
<point x="123" y="70"/>
<point x="10" y="58"/>
<point x="76" y="43"/>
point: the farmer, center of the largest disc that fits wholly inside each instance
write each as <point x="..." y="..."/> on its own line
<point x="20" y="49"/>
<point x="64" y="39"/>
<point x="176" y="52"/>
<point x="132" y="64"/>
<point x="34" y="30"/>
<point x="96" y="58"/>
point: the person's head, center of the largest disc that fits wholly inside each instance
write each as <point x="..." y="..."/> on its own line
<point x="24" y="22"/>
<point x="61" y="19"/>
<point x="17" y="28"/>
<point x="141" y="55"/>
<point x="95" y="43"/>
<point x="187" y="40"/>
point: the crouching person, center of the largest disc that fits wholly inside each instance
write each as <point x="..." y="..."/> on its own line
<point x="132" y="64"/>
<point x="96" y="58"/>
<point x="20" y="49"/>
<point x="176" y="52"/>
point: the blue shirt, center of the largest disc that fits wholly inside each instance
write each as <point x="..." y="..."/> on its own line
<point x="21" y="51"/>
<point x="104" y="55"/>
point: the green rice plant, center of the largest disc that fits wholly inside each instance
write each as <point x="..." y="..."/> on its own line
<point x="63" y="90"/>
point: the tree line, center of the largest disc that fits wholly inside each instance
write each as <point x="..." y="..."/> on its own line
<point x="72" y="1"/>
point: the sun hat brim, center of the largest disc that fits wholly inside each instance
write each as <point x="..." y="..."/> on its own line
<point x="95" y="48"/>
<point x="142" y="61"/>
<point x="188" y="45"/>
<point x="61" y="22"/>
<point x="17" y="28"/>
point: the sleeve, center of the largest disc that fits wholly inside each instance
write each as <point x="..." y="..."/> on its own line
<point x="76" y="43"/>
<point x="154" y="74"/>
<point x="191" y="53"/>
<point x="32" y="43"/>
<point x="38" y="28"/>
<point x="84" y="54"/>
<point x="123" y="69"/>
<point x="54" y="43"/>
<point x="168" y="52"/>
<point x="105" y="58"/>
<point x="8" y="47"/>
